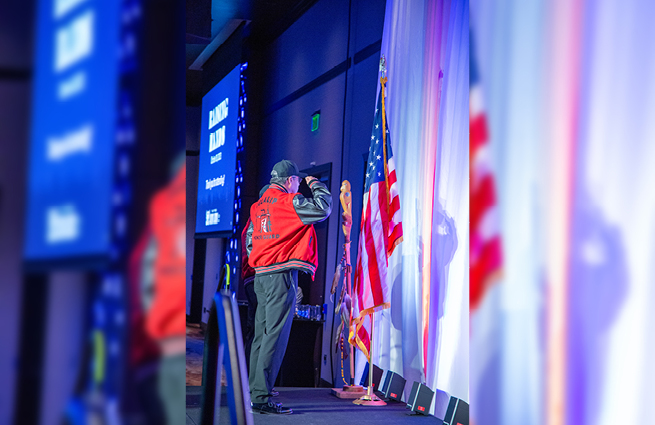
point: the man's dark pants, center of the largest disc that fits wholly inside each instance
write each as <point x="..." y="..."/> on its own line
<point x="276" y="298"/>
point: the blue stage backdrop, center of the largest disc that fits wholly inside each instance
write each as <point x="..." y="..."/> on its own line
<point x="218" y="141"/>
<point x="73" y="130"/>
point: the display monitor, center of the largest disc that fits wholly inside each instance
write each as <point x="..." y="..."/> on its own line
<point x="216" y="172"/>
<point x="73" y="132"/>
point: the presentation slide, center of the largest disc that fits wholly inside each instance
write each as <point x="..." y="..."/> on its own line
<point x="71" y="159"/>
<point x="218" y="143"/>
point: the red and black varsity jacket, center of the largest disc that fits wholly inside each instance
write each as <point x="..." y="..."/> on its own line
<point x="281" y="235"/>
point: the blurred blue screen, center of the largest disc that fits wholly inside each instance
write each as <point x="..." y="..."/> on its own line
<point x="71" y="159"/>
<point x="216" y="173"/>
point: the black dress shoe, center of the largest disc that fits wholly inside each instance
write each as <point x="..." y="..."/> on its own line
<point x="271" y="408"/>
<point x="274" y="393"/>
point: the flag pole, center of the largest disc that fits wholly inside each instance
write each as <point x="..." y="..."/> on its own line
<point x="370" y="362"/>
<point x="370" y="399"/>
<point x="383" y="82"/>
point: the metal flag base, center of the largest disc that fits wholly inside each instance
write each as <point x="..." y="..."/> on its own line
<point x="370" y="400"/>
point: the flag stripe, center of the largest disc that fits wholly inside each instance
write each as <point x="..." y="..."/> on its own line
<point x="392" y="179"/>
<point x="396" y="234"/>
<point x="481" y="200"/>
<point x="487" y="262"/>
<point x="478" y="134"/>
<point x="383" y="210"/>
<point x="395" y="206"/>
<point x="373" y="270"/>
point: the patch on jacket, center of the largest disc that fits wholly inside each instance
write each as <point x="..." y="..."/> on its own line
<point x="265" y="221"/>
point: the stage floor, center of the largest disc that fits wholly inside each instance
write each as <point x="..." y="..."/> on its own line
<point x="315" y="406"/>
<point x="195" y="341"/>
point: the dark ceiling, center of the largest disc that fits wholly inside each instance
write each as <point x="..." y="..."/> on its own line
<point x="267" y="19"/>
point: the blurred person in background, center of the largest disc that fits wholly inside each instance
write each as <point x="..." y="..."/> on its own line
<point x="164" y="301"/>
<point x="157" y="344"/>
<point x="145" y="353"/>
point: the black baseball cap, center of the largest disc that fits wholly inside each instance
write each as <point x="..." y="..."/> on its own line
<point x="286" y="168"/>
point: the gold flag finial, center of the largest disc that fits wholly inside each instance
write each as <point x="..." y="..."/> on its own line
<point x="383" y="67"/>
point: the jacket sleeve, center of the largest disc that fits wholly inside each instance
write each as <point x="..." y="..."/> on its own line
<point x="249" y="238"/>
<point x="318" y="208"/>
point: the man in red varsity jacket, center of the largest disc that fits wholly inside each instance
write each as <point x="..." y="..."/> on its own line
<point x="280" y="240"/>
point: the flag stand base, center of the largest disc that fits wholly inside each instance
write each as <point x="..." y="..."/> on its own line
<point x="370" y="400"/>
<point x="349" y="391"/>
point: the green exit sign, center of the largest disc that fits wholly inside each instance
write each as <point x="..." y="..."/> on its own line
<point x="315" y="119"/>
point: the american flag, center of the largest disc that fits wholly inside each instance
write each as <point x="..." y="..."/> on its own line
<point x="485" y="247"/>
<point x="381" y="231"/>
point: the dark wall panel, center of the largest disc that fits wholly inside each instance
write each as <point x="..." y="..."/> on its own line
<point x="313" y="45"/>
<point x="193" y="120"/>
<point x="191" y="197"/>
<point x="14" y="142"/>
<point x="222" y="61"/>
<point x="367" y="19"/>
<point x="17" y="35"/>
<point x="287" y="131"/>
<point x="199" y="18"/>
